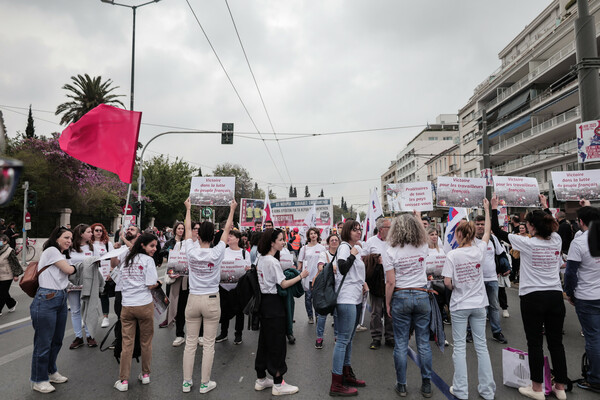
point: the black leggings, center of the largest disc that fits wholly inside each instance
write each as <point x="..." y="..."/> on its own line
<point x="5" y="298"/>
<point x="180" y="316"/>
<point x="271" y="352"/>
<point x="544" y="312"/>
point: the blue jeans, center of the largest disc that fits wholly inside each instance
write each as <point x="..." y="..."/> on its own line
<point x="49" y="318"/>
<point x="308" y="303"/>
<point x="347" y="319"/>
<point x="491" y="287"/>
<point x="476" y="318"/>
<point x="75" y="304"/>
<point x="322" y="320"/>
<point x="588" y="312"/>
<point x="411" y="306"/>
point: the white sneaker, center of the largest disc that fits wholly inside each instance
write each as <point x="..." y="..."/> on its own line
<point x="13" y="307"/>
<point x="283" y="389"/>
<point x="560" y="394"/>
<point x="178" y="341"/>
<point x="187" y="386"/>
<point x="505" y="313"/>
<point x="262" y="384"/>
<point x="361" y="328"/>
<point x="207" y="387"/>
<point x="105" y="322"/>
<point x="121" y="386"/>
<point x="57" y="378"/>
<point x="529" y="392"/>
<point x="43" y="387"/>
<point x="200" y="341"/>
<point x="144" y="378"/>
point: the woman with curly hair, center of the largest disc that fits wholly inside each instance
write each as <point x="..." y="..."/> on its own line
<point x="407" y="300"/>
<point x="309" y="259"/>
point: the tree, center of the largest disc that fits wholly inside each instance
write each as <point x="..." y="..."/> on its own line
<point x="295" y="192"/>
<point x="306" y="192"/>
<point x="30" y="130"/>
<point x="291" y="191"/>
<point x="322" y="194"/>
<point x="85" y="94"/>
<point x="167" y="185"/>
<point x="243" y="184"/>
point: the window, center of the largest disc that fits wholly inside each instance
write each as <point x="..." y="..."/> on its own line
<point x="448" y="138"/>
<point x="470" y="155"/>
<point x="469" y="136"/>
<point x="471" y="173"/>
<point x="433" y="138"/>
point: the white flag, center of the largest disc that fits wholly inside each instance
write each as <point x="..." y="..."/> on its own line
<point x="375" y="211"/>
<point x="309" y="222"/>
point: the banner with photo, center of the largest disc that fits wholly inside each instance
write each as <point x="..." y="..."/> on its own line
<point x="212" y="190"/>
<point x="516" y="191"/>
<point x="576" y="185"/>
<point x="588" y="141"/>
<point x="454" y="191"/>
<point x="413" y="196"/>
<point x="287" y="212"/>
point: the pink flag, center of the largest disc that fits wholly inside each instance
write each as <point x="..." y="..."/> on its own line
<point x="105" y="137"/>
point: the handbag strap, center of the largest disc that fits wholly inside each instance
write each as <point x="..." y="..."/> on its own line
<point x="343" y="276"/>
<point x="38" y="273"/>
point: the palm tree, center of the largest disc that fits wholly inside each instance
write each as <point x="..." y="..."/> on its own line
<point x="86" y="93"/>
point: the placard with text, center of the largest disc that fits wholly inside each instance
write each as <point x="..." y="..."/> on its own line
<point x="517" y="191"/>
<point x="410" y="196"/>
<point x="588" y="141"/>
<point x="212" y="190"/>
<point x="576" y="185"/>
<point x="453" y="191"/>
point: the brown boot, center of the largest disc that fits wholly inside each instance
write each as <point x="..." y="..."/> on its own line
<point x="350" y="379"/>
<point x="338" y="389"/>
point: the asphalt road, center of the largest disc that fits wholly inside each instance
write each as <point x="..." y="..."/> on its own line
<point x="92" y="373"/>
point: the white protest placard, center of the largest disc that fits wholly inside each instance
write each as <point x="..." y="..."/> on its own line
<point x="460" y="192"/>
<point x="177" y="264"/>
<point x="517" y="191"/>
<point x="104" y="268"/>
<point x="414" y="196"/>
<point x="212" y="190"/>
<point x="576" y="185"/>
<point x="128" y="220"/>
<point x="588" y="141"/>
<point x="434" y="263"/>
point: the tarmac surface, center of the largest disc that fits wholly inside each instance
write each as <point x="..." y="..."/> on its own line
<point x="92" y="373"/>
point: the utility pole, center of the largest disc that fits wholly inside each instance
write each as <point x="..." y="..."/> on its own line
<point x="485" y="142"/>
<point x="24" y="250"/>
<point x="587" y="65"/>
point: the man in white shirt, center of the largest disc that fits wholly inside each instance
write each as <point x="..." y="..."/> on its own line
<point x="490" y="278"/>
<point x="378" y="245"/>
<point x="582" y="286"/>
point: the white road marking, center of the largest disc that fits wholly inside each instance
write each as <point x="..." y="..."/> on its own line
<point x="14" y="323"/>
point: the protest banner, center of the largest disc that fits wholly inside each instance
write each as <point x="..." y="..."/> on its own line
<point x="177" y="264"/>
<point x="212" y="190"/>
<point x="160" y="301"/>
<point x="576" y="185"/>
<point x="128" y="220"/>
<point x="460" y="192"/>
<point x="231" y="272"/>
<point x="414" y="196"/>
<point x="503" y="217"/>
<point x="516" y="191"/>
<point x="287" y="212"/>
<point x="588" y="141"/>
<point x="434" y="263"/>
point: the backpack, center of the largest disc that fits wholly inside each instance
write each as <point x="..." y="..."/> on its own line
<point x="323" y="290"/>
<point x="29" y="281"/>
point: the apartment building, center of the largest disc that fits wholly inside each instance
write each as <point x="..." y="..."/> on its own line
<point x="446" y="163"/>
<point x="410" y="163"/>
<point x="531" y="102"/>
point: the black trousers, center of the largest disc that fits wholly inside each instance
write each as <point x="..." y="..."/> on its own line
<point x="239" y="324"/>
<point x="5" y="298"/>
<point x="272" y="350"/>
<point x="180" y="317"/>
<point x="502" y="299"/>
<point x="543" y="314"/>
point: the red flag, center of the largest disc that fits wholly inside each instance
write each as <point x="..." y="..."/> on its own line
<point x="105" y="137"/>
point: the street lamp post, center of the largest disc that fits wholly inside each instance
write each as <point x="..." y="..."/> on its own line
<point x="131" y="94"/>
<point x="133" y="9"/>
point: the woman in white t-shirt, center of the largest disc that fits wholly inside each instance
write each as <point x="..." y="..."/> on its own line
<point x="49" y="310"/>
<point x="351" y="268"/>
<point x="309" y="259"/>
<point x="271" y="352"/>
<point x="540" y="290"/>
<point x="138" y="277"/>
<point x="333" y="242"/>
<point x="103" y="245"/>
<point x="234" y="265"/>
<point x="407" y="300"/>
<point x="463" y="274"/>
<point x="434" y="263"/>
<point x="203" y="306"/>
<point x="82" y="249"/>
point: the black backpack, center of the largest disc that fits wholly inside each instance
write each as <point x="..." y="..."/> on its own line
<point x="323" y="291"/>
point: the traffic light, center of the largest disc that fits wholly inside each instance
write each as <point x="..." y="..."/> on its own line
<point x="31" y="198"/>
<point x="227" y="133"/>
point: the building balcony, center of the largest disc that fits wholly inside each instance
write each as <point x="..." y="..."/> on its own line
<point x="453" y="167"/>
<point x="566" y="149"/>
<point x="564" y="120"/>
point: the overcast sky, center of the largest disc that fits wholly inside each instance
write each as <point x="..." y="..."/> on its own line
<point x="322" y="66"/>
